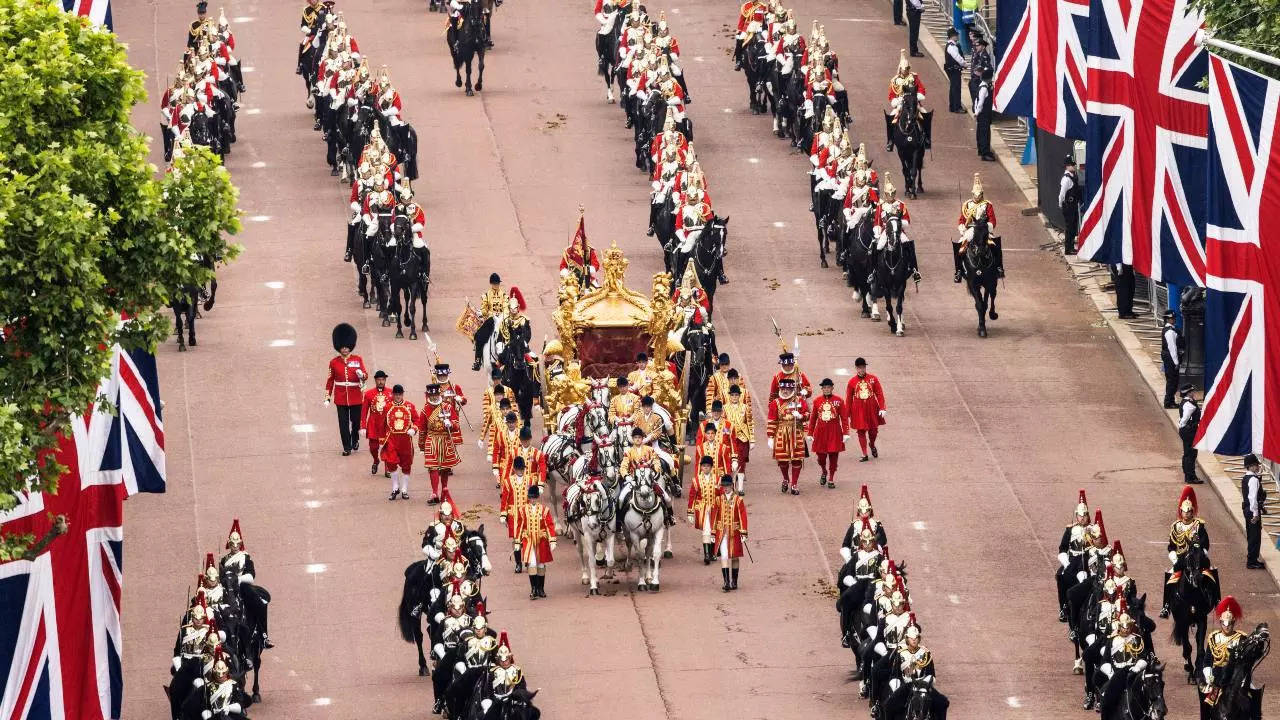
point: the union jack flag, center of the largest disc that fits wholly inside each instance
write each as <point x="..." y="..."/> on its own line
<point x="60" y="632"/>
<point x="98" y="11"/>
<point x="1042" y="68"/>
<point x="1146" y="135"/>
<point x="1242" y="256"/>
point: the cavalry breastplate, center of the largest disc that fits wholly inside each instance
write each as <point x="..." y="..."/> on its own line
<point x="867" y="565"/>
<point x="1181" y="534"/>
<point x="505" y="679"/>
<point x="1075" y="545"/>
<point x="1125" y="651"/>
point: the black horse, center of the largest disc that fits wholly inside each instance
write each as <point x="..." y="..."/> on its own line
<point x="1195" y="594"/>
<point x="247" y="633"/>
<point x="517" y="373"/>
<point x="420" y="580"/>
<point x="981" y="265"/>
<point x="700" y="342"/>
<point x="756" y="68"/>
<point x="911" y="135"/>
<point x="466" y="38"/>
<point x="1237" y="698"/>
<point x="706" y="252"/>
<point x="895" y="262"/>
<point x="1143" y="697"/>
<point x="607" y="54"/>
<point x="409" y="279"/>
<point x="184" y="304"/>
<point x="856" y="255"/>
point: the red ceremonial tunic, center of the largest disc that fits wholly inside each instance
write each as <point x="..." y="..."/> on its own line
<point x="702" y="496"/>
<point x="729" y="521"/>
<point x="344" y="380"/>
<point x="435" y="437"/>
<point x="371" y="412"/>
<point x="787" y="430"/>
<point x="719" y="445"/>
<point x="828" y="424"/>
<point x="803" y="387"/>
<point x="864" y="399"/>
<point x="398" y="449"/>
<point x="537" y="532"/>
<point x="514" y="501"/>
<point x="535" y="462"/>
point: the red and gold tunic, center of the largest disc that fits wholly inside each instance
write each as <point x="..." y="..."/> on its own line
<point x="398" y="419"/>
<point x="490" y="422"/>
<point x="514" y="501"/>
<point x="537" y="532"/>
<point x="729" y="521"/>
<point x="786" y="427"/>
<point x="702" y="496"/>
<point x="828" y="424"/>
<point x="535" y="462"/>
<point x="743" y="425"/>
<point x="451" y="394"/>
<point x="375" y="404"/>
<point x="637" y="456"/>
<point x="717" y="444"/>
<point x="503" y="441"/>
<point x="864" y="399"/>
<point x="435" y="436"/>
<point x="345" y="378"/>
<point x="718" y="388"/>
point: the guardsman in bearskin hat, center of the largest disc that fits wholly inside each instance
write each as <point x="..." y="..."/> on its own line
<point x="343" y="386"/>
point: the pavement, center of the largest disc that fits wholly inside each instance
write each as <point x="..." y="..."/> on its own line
<point x="987" y="443"/>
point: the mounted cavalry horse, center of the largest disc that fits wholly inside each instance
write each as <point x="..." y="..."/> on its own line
<point x="856" y="256"/>
<point x="981" y="263"/>
<point x="410" y="276"/>
<point x="422" y="589"/>
<point x="644" y="519"/>
<point x="911" y="133"/>
<point x="467" y="41"/>
<point x="895" y="263"/>
<point x="591" y="518"/>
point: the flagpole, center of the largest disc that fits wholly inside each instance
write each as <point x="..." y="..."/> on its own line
<point x="1232" y="47"/>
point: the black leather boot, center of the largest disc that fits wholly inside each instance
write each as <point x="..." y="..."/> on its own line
<point x="733" y="583"/>
<point x="724" y="573"/>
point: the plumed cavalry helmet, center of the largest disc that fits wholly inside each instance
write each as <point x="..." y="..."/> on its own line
<point x="210" y="569"/>
<point x="516" y="297"/>
<point x="235" y="541"/>
<point x="913" y="628"/>
<point x="1082" y="507"/>
<point x="662" y="23"/>
<point x="866" y="535"/>
<point x="863" y="508"/>
<point x="1124" y="621"/>
<point x="977" y="187"/>
<point x="1097" y="530"/>
<point x="904" y="65"/>
<point x="829" y="120"/>
<point x="504" y="648"/>
<point x="669" y="122"/>
<point x="1229" y="611"/>
<point x="1187" y="502"/>
<point x="890" y="192"/>
<point x="221" y="668"/>
<point x="1117" y="558"/>
<point x="344" y="336"/>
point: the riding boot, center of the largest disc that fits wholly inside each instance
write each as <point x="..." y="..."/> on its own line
<point x="519" y="565"/>
<point x="706" y="553"/>
<point x="1164" y="602"/>
<point x="733" y="583"/>
<point x="724" y="573"/>
<point x="653" y="211"/>
<point x="999" y="258"/>
<point x="888" y="133"/>
<point x="533" y="586"/>
<point x="542" y="586"/>
<point x="955" y="256"/>
<point x="737" y="55"/>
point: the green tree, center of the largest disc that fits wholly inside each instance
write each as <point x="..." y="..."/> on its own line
<point x="1253" y="24"/>
<point x="87" y="230"/>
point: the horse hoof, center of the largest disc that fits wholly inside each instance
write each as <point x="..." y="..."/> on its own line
<point x="653" y="587"/>
<point x="479" y="87"/>
<point x="365" y="305"/>
<point x="995" y="315"/>
<point x="594" y="591"/>
<point x="875" y="318"/>
<point x="471" y="93"/>
<point x="642" y="587"/>
<point x="585" y="581"/>
<point x="457" y="83"/>
<point x="866" y="314"/>
<point x="982" y="332"/>
<point x="824" y="263"/>
<point x="422" y="672"/>
<point x="667" y="554"/>
<point x="413" y="335"/>
<point x="182" y="348"/>
<point x="257" y="697"/>
<point x="899" y="332"/>
<point x="399" y="334"/>
<point x="599" y="563"/>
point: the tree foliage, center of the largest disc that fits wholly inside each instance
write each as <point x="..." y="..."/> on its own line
<point x="87" y="230"/>
<point x="1253" y="24"/>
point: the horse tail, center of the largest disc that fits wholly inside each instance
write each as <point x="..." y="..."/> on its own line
<point x="408" y="623"/>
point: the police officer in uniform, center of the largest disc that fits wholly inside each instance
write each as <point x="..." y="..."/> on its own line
<point x="1170" y="341"/>
<point x="1188" y="423"/>
<point x="982" y="109"/>
<point x="953" y="65"/>
<point x="1253" y="497"/>
<point x="979" y="64"/>
<point x="1069" y="204"/>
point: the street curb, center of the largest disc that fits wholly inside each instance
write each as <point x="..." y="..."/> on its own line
<point x="1212" y="466"/>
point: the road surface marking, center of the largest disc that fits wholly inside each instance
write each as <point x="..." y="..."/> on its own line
<point x="321" y="702"/>
<point x="728" y="110"/>
<point x="779" y="224"/>
<point x="955" y="599"/>
<point x="1013" y="702"/>
<point x="316" y="568"/>
<point x="242" y="18"/>
<point x="304" y="428"/>
<point x="281" y="342"/>
<point x="313" y="504"/>
<point x="842" y="371"/>
<point x="253" y="111"/>
<point x="259" y="218"/>
<point x="675" y="11"/>
<point x="247" y="68"/>
<point x="259" y="165"/>
<point x="919" y="525"/>
<point x="697" y="58"/>
<point x="274" y="284"/>
<point x="855" y="20"/>
<point x="753" y="161"/>
<point x="797" y="281"/>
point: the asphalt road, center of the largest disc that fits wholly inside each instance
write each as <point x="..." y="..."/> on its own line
<point x="987" y="441"/>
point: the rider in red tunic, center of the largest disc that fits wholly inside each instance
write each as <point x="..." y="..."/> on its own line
<point x="865" y="399"/>
<point x="401" y="422"/>
<point x="788" y="414"/>
<point x="375" y="403"/>
<point x="828" y="430"/>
